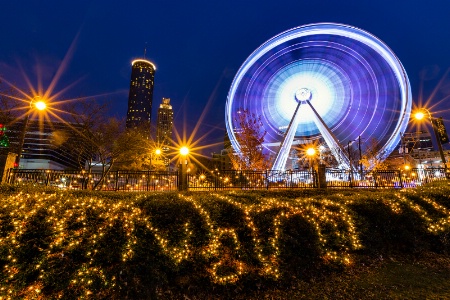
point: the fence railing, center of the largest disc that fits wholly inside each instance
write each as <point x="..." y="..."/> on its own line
<point x="224" y="180"/>
<point x="231" y="179"/>
<point x="114" y="181"/>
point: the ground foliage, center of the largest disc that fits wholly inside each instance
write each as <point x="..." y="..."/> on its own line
<point x="246" y="244"/>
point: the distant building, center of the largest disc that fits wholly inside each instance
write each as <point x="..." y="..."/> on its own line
<point x="222" y="161"/>
<point x="416" y="159"/>
<point x="140" y="97"/>
<point x="416" y="141"/>
<point x="417" y="151"/>
<point x="47" y="145"/>
<point x="164" y="124"/>
<point x="164" y="128"/>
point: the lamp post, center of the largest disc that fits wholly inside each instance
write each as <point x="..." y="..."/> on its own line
<point x="157" y="152"/>
<point x="311" y="152"/>
<point x="35" y="103"/>
<point x="360" y="157"/>
<point x="350" y="155"/>
<point x="350" y="177"/>
<point x="184" y="151"/>
<point x="419" y="116"/>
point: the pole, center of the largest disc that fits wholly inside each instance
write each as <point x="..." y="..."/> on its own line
<point x="351" y="165"/>
<point x="22" y="138"/>
<point x="25" y="126"/>
<point x="360" y="157"/>
<point x="183" y="175"/>
<point x="349" y="155"/>
<point x="438" y="140"/>
<point x="403" y="147"/>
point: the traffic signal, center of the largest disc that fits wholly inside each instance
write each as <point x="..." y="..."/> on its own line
<point x="4" y="141"/>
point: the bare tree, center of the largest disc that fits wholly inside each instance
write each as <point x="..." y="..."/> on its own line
<point x="87" y="120"/>
<point x="8" y="104"/>
<point x="250" y="137"/>
<point x="135" y="151"/>
<point x="371" y="158"/>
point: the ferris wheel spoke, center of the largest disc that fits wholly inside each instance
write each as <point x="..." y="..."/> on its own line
<point x="330" y="139"/>
<point x="286" y="144"/>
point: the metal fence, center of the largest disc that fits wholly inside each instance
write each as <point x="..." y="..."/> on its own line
<point x="385" y="178"/>
<point x="225" y="180"/>
<point x="251" y="180"/>
<point x="114" y="181"/>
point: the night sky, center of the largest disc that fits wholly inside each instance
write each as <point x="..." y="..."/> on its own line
<point x="198" y="46"/>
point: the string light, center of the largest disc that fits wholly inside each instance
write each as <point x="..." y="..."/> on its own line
<point x="69" y="219"/>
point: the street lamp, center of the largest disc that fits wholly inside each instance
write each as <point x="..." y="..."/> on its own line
<point x="39" y="104"/>
<point x="419" y="115"/>
<point x="184" y="151"/>
<point x="35" y="103"/>
<point x="157" y="152"/>
<point x="311" y="152"/>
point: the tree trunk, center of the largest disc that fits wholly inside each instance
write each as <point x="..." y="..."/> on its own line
<point x="104" y="175"/>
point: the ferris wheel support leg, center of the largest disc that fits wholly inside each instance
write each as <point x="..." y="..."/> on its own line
<point x="331" y="140"/>
<point x="279" y="163"/>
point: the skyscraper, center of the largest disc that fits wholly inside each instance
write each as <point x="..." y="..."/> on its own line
<point x="140" y="96"/>
<point x="164" y="124"/>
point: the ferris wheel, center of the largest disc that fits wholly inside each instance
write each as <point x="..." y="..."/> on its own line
<point x="324" y="81"/>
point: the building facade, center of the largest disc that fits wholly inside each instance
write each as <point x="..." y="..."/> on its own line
<point x="140" y="97"/>
<point x="47" y="145"/>
<point x="164" y="129"/>
<point x="164" y="124"/>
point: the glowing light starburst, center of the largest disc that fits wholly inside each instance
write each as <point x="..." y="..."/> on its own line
<point x="194" y="143"/>
<point x="431" y="105"/>
<point x="37" y="100"/>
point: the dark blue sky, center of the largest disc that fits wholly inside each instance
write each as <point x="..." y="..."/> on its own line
<point x="197" y="46"/>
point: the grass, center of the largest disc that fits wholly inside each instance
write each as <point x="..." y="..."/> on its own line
<point x="311" y="244"/>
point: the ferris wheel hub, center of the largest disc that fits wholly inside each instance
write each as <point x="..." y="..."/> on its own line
<point x="303" y="95"/>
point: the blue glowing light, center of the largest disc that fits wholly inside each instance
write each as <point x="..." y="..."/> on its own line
<point x="356" y="85"/>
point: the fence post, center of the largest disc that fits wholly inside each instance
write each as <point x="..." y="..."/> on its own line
<point x="47" y="179"/>
<point x="182" y="173"/>
<point x="321" y="176"/>
<point x="350" y="177"/>
<point x="374" y="174"/>
<point x="400" y="178"/>
<point x="267" y="179"/>
<point x="314" y="175"/>
<point x="215" y="181"/>
<point x="117" y="180"/>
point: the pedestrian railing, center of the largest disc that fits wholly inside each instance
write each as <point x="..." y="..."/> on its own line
<point x="224" y="180"/>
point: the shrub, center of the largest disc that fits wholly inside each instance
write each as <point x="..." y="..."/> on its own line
<point x="135" y="246"/>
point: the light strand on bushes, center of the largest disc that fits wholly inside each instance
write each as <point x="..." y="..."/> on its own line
<point x="85" y="225"/>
